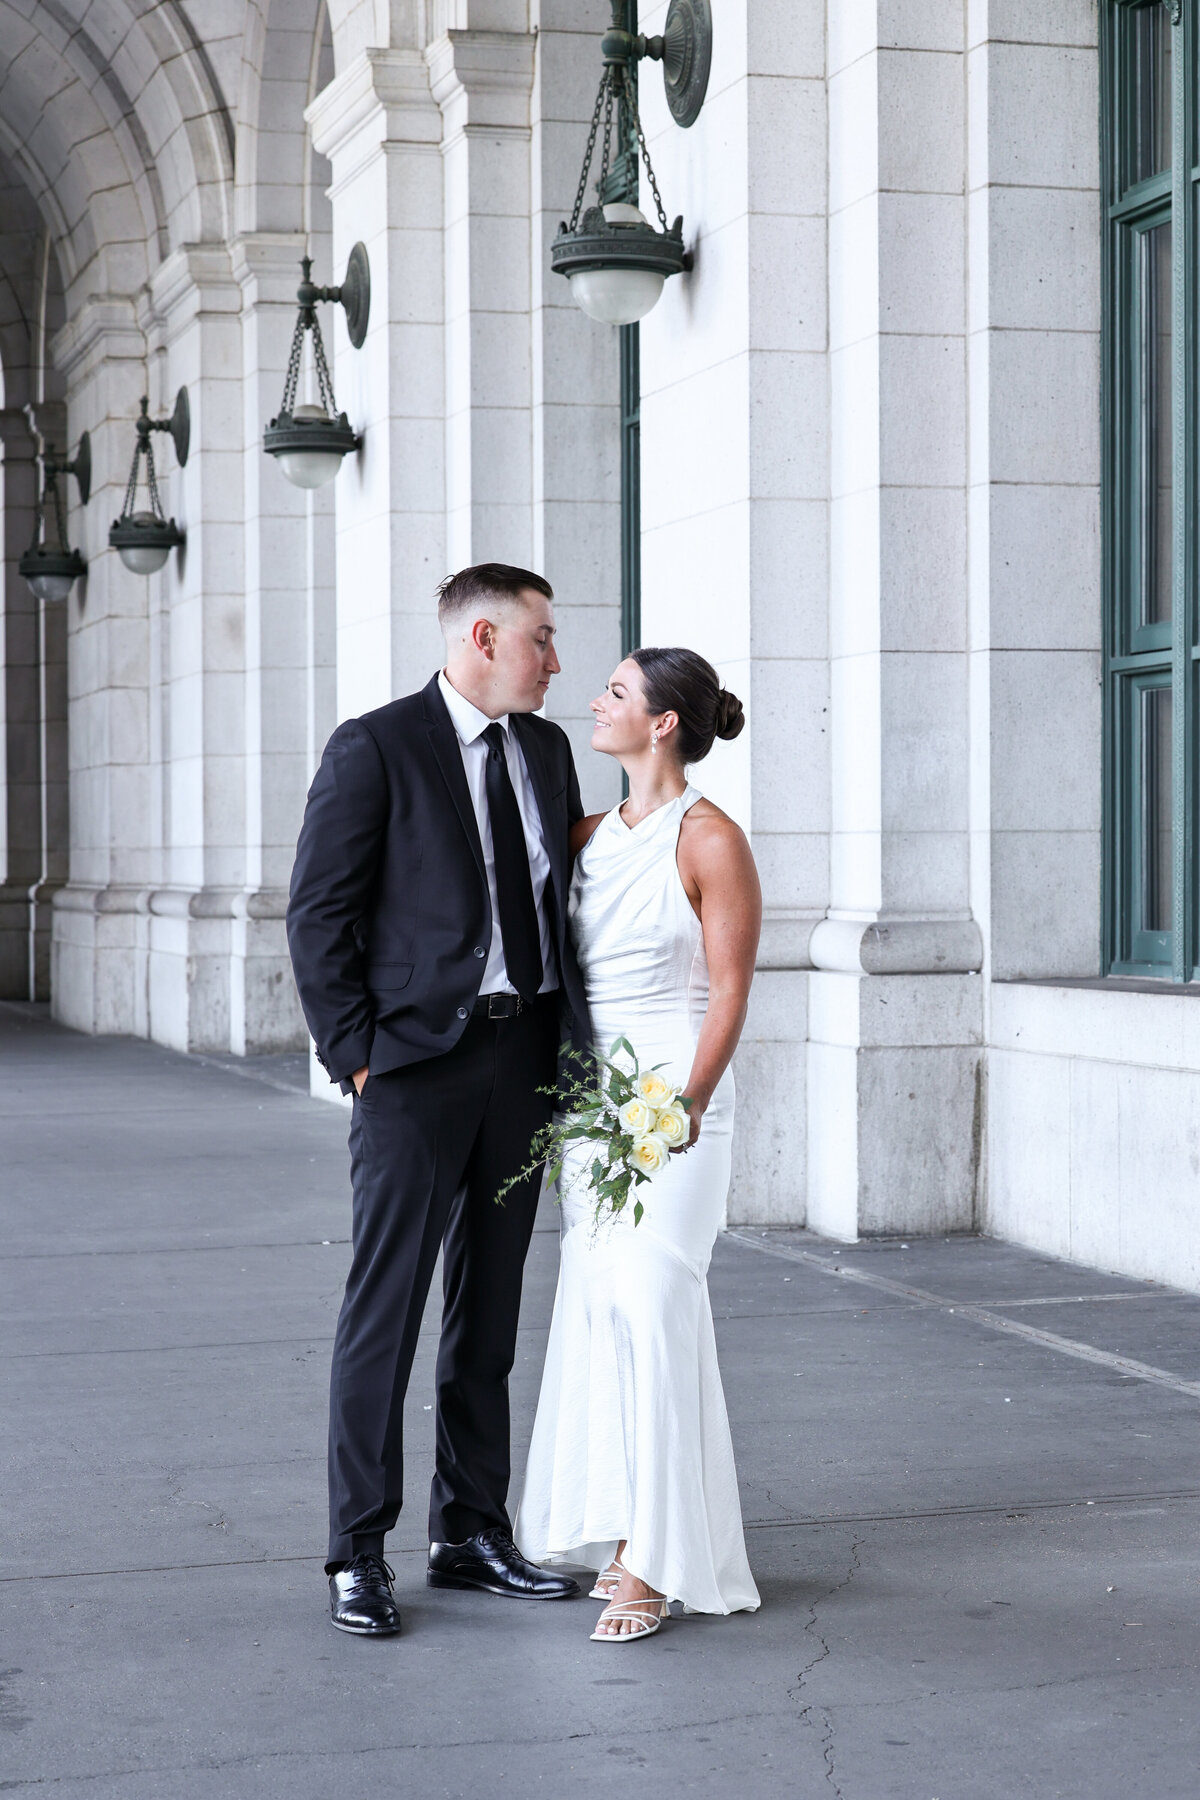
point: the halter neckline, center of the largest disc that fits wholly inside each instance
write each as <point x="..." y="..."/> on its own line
<point x="657" y="811"/>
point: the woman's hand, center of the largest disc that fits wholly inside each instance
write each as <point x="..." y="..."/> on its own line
<point x="695" y="1113"/>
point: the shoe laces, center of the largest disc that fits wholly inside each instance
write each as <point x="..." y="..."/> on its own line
<point x="367" y="1566"/>
<point x="496" y="1538"/>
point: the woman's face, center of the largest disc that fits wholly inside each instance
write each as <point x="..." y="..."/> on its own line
<point x="623" y="726"/>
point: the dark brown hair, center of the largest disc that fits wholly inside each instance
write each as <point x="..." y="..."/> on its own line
<point x="679" y="681"/>
<point x="486" y="581"/>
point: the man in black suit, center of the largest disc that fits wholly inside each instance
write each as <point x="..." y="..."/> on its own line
<point x="427" y="927"/>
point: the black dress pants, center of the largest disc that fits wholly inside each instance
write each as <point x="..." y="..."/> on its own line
<point x="429" y="1146"/>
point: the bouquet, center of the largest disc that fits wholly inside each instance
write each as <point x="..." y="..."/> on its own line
<point x="634" y="1117"/>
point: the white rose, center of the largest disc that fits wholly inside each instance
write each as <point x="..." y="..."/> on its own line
<point x="649" y="1153"/>
<point x="655" y="1088"/>
<point x="637" y="1116"/>
<point x="673" y="1124"/>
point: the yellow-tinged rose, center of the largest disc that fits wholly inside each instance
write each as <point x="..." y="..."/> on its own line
<point x="637" y="1116"/>
<point x="649" y="1153"/>
<point x="653" y="1087"/>
<point x="673" y="1124"/>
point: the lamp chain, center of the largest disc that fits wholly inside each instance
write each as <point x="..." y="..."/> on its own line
<point x="152" y="483"/>
<point x="59" y="521"/>
<point x="324" y="380"/>
<point x="606" y="149"/>
<point x="609" y="82"/>
<point x="591" y="145"/>
<point x="295" y="356"/>
<point x="631" y="103"/>
<point x="131" y="484"/>
<point x="293" y="368"/>
<point x="146" y="449"/>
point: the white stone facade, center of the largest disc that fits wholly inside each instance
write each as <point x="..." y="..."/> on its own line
<point x="870" y="493"/>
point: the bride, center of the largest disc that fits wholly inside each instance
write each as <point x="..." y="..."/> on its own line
<point x="631" y="1467"/>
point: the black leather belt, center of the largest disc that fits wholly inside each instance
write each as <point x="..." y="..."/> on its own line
<point x="499" y="1006"/>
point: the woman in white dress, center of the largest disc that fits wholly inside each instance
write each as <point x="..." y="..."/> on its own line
<point x="631" y="1466"/>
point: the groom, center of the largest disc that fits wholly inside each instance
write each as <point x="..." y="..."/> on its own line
<point x="427" y="930"/>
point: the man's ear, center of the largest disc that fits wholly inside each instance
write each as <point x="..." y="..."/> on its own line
<point x="483" y="636"/>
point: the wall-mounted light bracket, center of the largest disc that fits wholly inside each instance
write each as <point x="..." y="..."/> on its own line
<point x="144" y="539"/>
<point x="613" y="257"/>
<point x="50" y="566"/>
<point x="311" y="440"/>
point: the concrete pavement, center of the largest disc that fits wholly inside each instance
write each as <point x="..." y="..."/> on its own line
<point x="970" y="1478"/>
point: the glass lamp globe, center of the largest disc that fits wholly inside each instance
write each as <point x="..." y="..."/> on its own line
<point x="50" y="587"/>
<point x="618" y="296"/>
<point x="310" y="467"/>
<point x="145" y="559"/>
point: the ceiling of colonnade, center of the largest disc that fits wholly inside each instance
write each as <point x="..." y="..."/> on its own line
<point x="139" y="126"/>
<point x="31" y="299"/>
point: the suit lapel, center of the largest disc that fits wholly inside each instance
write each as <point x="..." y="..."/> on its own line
<point x="444" y="742"/>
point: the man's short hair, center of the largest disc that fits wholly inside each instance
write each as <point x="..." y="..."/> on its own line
<point x="473" y="590"/>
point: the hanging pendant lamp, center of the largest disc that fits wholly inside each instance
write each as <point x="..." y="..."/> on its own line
<point x="311" y="440"/>
<point x="50" y="566"/>
<point x="145" y="538"/>
<point x="612" y="255"/>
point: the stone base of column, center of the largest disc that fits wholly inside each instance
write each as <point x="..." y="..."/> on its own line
<point x="769" y="1152"/>
<point x="25" y="930"/>
<point x="894" y="1103"/>
<point x="196" y="970"/>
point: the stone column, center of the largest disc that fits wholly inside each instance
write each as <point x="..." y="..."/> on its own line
<point x="481" y="80"/>
<point x="734" y="509"/>
<point x="895" y="1020"/>
<point x="576" y="401"/>
<point x="21" y="734"/>
<point x="381" y="129"/>
<point x="283" y="593"/>
<point x="101" y="925"/>
<point x="194" y="333"/>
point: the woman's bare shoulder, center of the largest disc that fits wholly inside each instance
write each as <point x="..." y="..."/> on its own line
<point x="710" y="843"/>
<point x="706" y="823"/>
<point x="582" y="830"/>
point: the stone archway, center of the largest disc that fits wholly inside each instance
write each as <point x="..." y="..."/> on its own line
<point x="33" y="685"/>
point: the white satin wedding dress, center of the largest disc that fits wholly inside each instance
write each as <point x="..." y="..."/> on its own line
<point x="631" y="1438"/>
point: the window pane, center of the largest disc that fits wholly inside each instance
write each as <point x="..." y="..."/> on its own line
<point x="1156" y="808"/>
<point x="1154" y="284"/>
<point x="1151" y="136"/>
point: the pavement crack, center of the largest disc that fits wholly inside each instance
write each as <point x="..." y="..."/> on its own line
<point x="811" y="1709"/>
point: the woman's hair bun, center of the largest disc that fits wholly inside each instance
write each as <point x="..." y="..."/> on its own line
<point x="683" y="682"/>
<point x="730" y="716"/>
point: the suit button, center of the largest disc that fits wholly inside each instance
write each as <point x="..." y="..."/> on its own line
<point x="462" y="1012"/>
<point x="479" y="950"/>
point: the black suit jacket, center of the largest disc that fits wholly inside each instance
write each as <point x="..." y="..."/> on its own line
<point x="389" y="922"/>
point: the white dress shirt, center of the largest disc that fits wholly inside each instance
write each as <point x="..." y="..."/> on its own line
<point x="470" y="724"/>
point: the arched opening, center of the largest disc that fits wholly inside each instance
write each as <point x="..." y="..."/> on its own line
<point x="34" y="825"/>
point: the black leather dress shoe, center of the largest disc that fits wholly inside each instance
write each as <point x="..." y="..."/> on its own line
<point x="361" y="1598"/>
<point x="492" y="1562"/>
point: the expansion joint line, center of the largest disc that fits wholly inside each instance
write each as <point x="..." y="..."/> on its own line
<point x="978" y="1315"/>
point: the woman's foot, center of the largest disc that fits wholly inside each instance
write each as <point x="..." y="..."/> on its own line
<point x="635" y="1610"/>
<point x="606" y="1581"/>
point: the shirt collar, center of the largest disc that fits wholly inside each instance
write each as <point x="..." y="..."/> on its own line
<point x="466" y="717"/>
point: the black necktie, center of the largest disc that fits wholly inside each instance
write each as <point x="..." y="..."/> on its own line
<point x="514" y="886"/>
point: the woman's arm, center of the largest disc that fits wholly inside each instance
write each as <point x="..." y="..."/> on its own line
<point x="718" y="873"/>
<point x="581" y="831"/>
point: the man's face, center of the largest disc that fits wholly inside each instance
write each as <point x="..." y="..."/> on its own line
<point x="523" y="659"/>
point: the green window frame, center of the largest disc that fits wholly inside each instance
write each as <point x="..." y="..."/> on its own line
<point x="1149" y="178"/>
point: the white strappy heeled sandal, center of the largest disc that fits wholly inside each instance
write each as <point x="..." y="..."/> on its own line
<point x="645" y="1624"/>
<point x="608" y="1580"/>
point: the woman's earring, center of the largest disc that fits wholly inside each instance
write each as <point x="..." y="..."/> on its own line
<point x="654" y="743"/>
